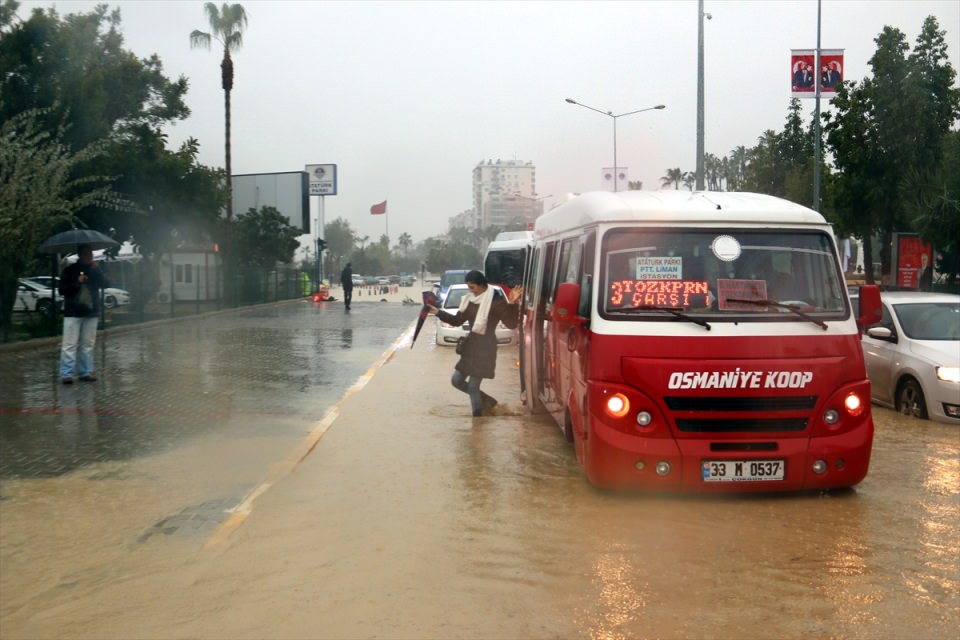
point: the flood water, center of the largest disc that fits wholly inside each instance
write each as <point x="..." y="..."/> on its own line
<point x="409" y="519"/>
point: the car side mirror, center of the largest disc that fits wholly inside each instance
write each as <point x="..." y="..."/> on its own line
<point x="881" y="333"/>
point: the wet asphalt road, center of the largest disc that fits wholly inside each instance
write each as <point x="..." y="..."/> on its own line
<point x="265" y="371"/>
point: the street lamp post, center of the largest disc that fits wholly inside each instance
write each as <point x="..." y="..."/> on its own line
<point x="700" y="171"/>
<point x="614" y="118"/>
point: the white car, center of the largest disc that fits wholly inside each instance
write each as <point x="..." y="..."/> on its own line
<point x="447" y="335"/>
<point x="34" y="296"/>
<point x="112" y="296"/>
<point x="913" y="355"/>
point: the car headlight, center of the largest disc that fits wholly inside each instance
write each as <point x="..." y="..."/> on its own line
<point x="949" y="374"/>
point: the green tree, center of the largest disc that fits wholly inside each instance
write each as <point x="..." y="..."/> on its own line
<point x="38" y="194"/>
<point x="889" y="127"/>
<point x="672" y="177"/>
<point x="76" y="70"/>
<point x="226" y="27"/>
<point x="405" y="241"/>
<point x="340" y="238"/>
<point x="265" y="238"/>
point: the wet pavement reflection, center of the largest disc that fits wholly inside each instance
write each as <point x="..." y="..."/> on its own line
<point x="270" y="370"/>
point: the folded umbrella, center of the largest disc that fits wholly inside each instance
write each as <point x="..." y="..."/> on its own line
<point x="429" y="300"/>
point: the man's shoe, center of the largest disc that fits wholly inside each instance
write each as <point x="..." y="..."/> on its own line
<point x="67" y="381"/>
<point x="89" y="378"/>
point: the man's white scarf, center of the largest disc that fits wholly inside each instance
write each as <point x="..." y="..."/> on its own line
<point x="484" y="300"/>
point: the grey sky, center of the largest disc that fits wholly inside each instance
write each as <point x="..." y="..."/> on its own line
<point x="407" y="97"/>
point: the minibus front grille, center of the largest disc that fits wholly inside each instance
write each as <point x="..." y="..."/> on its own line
<point x="719" y="403"/>
<point x="740" y="425"/>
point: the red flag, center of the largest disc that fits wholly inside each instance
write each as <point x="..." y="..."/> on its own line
<point x="379" y="208"/>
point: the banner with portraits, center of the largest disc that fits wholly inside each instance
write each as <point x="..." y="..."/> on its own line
<point x="804" y="74"/>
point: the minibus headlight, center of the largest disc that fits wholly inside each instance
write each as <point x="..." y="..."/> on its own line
<point x="617" y="405"/>
<point x="644" y="418"/>
<point x="831" y="416"/>
<point x="819" y="466"/>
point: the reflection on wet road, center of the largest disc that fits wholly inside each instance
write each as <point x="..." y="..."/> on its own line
<point x="270" y="370"/>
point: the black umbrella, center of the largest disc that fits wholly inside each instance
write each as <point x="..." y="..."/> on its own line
<point x="429" y="299"/>
<point x="68" y="241"/>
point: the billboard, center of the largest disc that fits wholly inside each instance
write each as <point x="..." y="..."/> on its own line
<point x="286" y="192"/>
<point x="323" y="179"/>
<point x="804" y="74"/>
<point x="914" y="261"/>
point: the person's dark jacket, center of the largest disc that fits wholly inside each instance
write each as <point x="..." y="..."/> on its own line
<point x="346" y="278"/>
<point x="70" y="289"/>
<point x="479" y="357"/>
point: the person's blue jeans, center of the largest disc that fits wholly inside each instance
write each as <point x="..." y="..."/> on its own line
<point x="470" y="385"/>
<point x="79" y="338"/>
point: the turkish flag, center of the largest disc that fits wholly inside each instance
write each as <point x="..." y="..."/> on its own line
<point x="379" y="208"/>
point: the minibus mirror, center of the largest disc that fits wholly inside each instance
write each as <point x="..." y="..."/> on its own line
<point x="869" y="306"/>
<point x="566" y="303"/>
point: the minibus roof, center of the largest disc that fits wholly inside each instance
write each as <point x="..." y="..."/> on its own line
<point x="674" y="206"/>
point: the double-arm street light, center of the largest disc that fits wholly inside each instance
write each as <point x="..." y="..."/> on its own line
<point x="614" y="118"/>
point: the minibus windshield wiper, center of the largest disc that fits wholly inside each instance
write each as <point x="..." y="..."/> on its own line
<point x="676" y="311"/>
<point x="780" y="305"/>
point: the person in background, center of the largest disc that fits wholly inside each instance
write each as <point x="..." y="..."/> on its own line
<point x="483" y="308"/>
<point x="80" y="285"/>
<point x="346" y="281"/>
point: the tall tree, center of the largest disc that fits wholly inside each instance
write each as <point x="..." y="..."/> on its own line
<point x="38" y="194"/>
<point x="889" y="127"/>
<point x="264" y="238"/>
<point x="226" y="27"/>
<point x="672" y="177"/>
<point x="405" y="241"/>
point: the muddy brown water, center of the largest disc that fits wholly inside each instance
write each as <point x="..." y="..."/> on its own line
<point x="425" y="523"/>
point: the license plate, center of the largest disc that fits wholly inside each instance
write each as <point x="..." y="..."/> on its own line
<point x="742" y="470"/>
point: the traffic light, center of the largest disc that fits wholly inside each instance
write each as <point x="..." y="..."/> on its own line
<point x="321" y="245"/>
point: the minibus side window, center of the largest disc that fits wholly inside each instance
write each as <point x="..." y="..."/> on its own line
<point x="586" y="274"/>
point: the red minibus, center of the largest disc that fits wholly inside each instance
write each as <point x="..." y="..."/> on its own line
<point x="697" y="342"/>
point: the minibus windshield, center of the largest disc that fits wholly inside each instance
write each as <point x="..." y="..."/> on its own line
<point x="720" y="273"/>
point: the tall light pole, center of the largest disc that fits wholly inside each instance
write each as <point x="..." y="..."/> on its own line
<point x="700" y="16"/>
<point x="614" y="117"/>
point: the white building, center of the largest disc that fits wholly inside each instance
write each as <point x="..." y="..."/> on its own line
<point x="505" y="194"/>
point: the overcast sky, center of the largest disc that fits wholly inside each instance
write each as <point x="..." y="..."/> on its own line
<point x="407" y="97"/>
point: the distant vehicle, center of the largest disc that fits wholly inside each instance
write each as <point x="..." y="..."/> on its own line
<point x="358" y="280"/>
<point x="913" y="355"/>
<point x="34" y="296"/>
<point x="383" y="280"/>
<point x="506" y="258"/>
<point x="394" y="279"/>
<point x="447" y="335"/>
<point x="112" y="296"/>
<point x="407" y="281"/>
<point x="451" y="277"/>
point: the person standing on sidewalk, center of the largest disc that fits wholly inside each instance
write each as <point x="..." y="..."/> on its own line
<point x="346" y="281"/>
<point x="80" y="285"/>
<point x="483" y="309"/>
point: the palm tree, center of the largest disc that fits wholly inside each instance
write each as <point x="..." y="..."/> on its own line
<point x="226" y="27"/>
<point x="405" y="241"/>
<point x="672" y="177"/>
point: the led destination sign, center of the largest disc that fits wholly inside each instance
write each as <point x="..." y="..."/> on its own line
<point x="671" y="293"/>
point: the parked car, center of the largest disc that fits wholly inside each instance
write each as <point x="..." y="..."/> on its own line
<point x="407" y="281"/>
<point x="112" y="296"/>
<point x="358" y="280"/>
<point x="913" y="355"/>
<point x="35" y="296"/>
<point x="447" y="335"/>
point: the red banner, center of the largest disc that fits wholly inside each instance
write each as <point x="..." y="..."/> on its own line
<point x="377" y="209"/>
